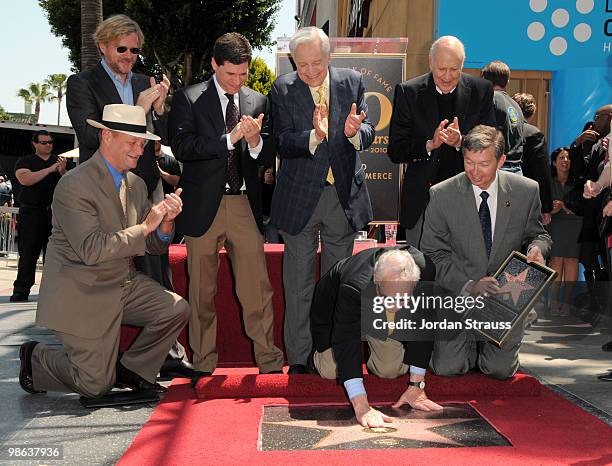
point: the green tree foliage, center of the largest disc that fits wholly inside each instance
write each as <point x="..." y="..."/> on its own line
<point x="260" y="76"/>
<point x="179" y="34"/>
<point x="57" y="82"/>
<point x="35" y="93"/>
<point x="4" y="115"/>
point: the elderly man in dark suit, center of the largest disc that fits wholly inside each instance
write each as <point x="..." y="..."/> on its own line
<point x="101" y="220"/>
<point x="474" y="220"/>
<point x="430" y="114"/>
<point x="320" y="123"/>
<point x="219" y="129"/>
<point x="338" y="326"/>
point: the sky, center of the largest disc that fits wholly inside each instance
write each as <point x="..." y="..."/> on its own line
<point x="32" y="53"/>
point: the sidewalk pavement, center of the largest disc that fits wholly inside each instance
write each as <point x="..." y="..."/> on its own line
<point x="564" y="354"/>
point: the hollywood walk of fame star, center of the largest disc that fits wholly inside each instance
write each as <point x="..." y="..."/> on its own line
<point x="418" y="430"/>
<point x="335" y="428"/>
<point x="515" y="285"/>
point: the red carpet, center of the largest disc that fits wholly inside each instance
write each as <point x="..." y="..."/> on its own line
<point x="544" y="428"/>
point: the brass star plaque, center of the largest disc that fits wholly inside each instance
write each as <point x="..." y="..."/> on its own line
<point x="335" y="428"/>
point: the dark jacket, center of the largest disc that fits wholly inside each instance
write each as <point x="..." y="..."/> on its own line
<point x="414" y="121"/>
<point x="87" y="93"/>
<point x="335" y="314"/>
<point x="198" y="139"/>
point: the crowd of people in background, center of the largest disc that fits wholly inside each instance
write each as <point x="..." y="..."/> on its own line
<point x="469" y="151"/>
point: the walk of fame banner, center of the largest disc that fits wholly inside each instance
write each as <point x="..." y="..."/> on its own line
<point x="381" y="62"/>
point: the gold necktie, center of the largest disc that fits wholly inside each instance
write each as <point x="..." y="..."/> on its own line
<point x="322" y="100"/>
<point x="123" y="195"/>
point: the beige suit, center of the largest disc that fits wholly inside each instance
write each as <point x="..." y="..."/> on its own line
<point x="89" y="289"/>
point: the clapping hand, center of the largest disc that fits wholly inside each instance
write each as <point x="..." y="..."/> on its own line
<point x="451" y="135"/>
<point x="353" y="121"/>
<point x="320" y="121"/>
<point x="251" y="128"/>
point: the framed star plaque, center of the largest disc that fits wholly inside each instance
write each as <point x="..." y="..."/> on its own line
<point x="521" y="284"/>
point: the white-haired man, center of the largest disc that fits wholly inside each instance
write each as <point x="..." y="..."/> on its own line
<point x="430" y="114"/>
<point x="320" y="124"/>
<point x="336" y="319"/>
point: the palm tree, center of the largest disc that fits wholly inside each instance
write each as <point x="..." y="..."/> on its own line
<point x="91" y="16"/>
<point x="57" y="82"/>
<point x="36" y="93"/>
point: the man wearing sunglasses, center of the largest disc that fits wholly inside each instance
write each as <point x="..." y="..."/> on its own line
<point x="120" y="39"/>
<point x="38" y="174"/>
<point x="112" y="81"/>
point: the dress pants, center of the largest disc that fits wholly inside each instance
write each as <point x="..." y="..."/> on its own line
<point x="87" y="365"/>
<point x="413" y="235"/>
<point x="386" y="360"/>
<point x="299" y="268"/>
<point x="233" y="227"/>
<point x="33" y="229"/>
<point x="467" y="351"/>
<point x="158" y="268"/>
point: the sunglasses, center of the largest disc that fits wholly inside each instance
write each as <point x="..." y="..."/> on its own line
<point x="123" y="49"/>
<point x="44" y="143"/>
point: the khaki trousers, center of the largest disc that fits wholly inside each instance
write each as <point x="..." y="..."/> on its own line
<point x="234" y="226"/>
<point x="386" y="360"/>
<point x="87" y="366"/>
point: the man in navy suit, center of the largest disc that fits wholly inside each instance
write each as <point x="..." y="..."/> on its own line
<point x="320" y="124"/>
<point x="219" y="130"/>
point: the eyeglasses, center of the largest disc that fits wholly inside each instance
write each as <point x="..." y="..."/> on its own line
<point x="123" y="49"/>
<point x="44" y="143"/>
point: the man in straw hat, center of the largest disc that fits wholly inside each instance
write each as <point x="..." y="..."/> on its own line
<point x="101" y="220"/>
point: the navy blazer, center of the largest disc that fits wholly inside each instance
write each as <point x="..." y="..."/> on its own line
<point x="87" y="93"/>
<point x="301" y="176"/>
<point x="414" y="121"/>
<point x="198" y="139"/>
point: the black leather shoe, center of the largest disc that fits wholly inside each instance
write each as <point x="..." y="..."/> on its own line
<point x="175" y="368"/>
<point x="17" y="297"/>
<point x="606" y="377"/>
<point x="297" y="369"/>
<point x="128" y="379"/>
<point x="197" y="375"/>
<point x="271" y="372"/>
<point x="25" y="369"/>
<point x="607" y="346"/>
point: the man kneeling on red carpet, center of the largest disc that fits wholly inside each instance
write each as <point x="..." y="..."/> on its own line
<point x="102" y="218"/>
<point x="336" y="324"/>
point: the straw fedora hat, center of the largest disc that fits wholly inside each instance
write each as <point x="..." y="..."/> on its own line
<point x="127" y="119"/>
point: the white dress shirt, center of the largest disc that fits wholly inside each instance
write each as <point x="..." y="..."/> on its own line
<point x="253" y="151"/>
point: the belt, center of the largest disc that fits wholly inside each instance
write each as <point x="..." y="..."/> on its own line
<point x="229" y="192"/>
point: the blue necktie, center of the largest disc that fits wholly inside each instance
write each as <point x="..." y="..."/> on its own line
<point x="485" y="221"/>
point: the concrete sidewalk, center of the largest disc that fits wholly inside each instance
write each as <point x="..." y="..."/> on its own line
<point x="565" y="354"/>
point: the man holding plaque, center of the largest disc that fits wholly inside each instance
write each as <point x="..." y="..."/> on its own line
<point x="472" y="224"/>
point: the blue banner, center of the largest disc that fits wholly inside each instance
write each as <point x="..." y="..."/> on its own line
<point x="531" y="34"/>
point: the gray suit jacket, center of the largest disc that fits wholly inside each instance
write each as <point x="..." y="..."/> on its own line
<point x="452" y="236"/>
<point x="90" y="250"/>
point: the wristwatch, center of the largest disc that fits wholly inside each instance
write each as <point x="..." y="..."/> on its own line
<point x="420" y="384"/>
